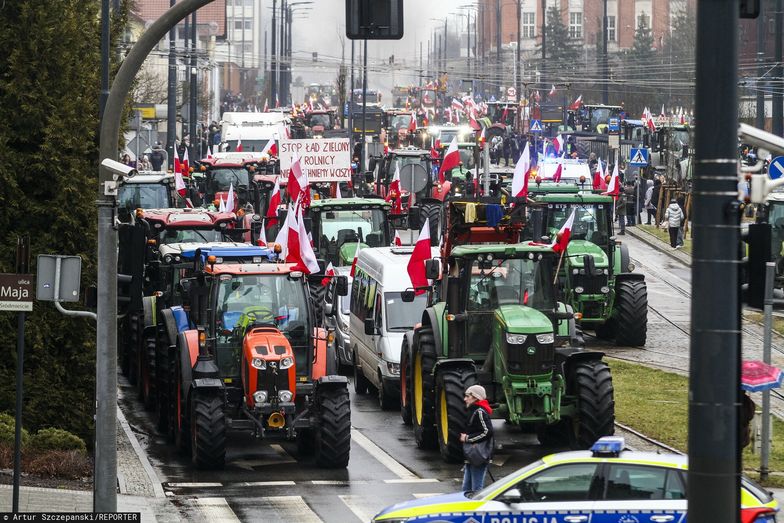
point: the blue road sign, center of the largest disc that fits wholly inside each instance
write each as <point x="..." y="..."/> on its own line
<point x="638" y="157"/>
<point x="776" y="168"/>
<point x="614" y="125"/>
<point x="536" y="126"/>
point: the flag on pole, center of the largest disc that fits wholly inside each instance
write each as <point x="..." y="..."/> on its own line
<point x="354" y="262"/>
<point x="282" y="238"/>
<point x="451" y="160"/>
<point x="274" y="203"/>
<point x="184" y="164"/>
<point x="421" y="253"/>
<point x="177" y="166"/>
<point x="614" y="187"/>
<point x="239" y="145"/>
<point x="398" y="241"/>
<point x="262" y="241"/>
<point x="209" y="152"/>
<point x="558" y="172"/>
<point x="222" y="206"/>
<point x="393" y="193"/>
<point x="563" y="235"/>
<point x="179" y="183"/>
<point x="298" y="183"/>
<point x="266" y="106"/>
<point x="337" y="190"/>
<point x="329" y="272"/>
<point x="558" y="143"/>
<point x="520" y="176"/>
<point x="230" y="199"/>
<point x="576" y="104"/>
<point x="552" y="91"/>
<point x="270" y="148"/>
<point x="598" y="177"/>
<point x="413" y="123"/>
<point x="300" y="250"/>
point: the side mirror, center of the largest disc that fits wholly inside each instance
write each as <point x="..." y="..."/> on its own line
<point x="511" y="496"/>
<point x="328" y="309"/>
<point x="184" y="286"/>
<point x="370" y="326"/>
<point x="407" y="296"/>
<point x="341" y="285"/>
<point x="432" y="269"/>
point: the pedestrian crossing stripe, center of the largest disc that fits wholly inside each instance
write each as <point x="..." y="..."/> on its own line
<point x="536" y="126"/>
<point x="638" y="158"/>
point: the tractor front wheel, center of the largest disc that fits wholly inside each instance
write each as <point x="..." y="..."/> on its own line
<point x="333" y="437"/>
<point x="432" y="211"/>
<point x="593" y="387"/>
<point x="422" y="397"/>
<point x="451" y="414"/>
<point x="405" y="384"/>
<point x="208" y="431"/>
<point x="631" y="312"/>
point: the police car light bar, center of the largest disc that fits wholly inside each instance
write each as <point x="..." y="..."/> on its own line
<point x="608" y="446"/>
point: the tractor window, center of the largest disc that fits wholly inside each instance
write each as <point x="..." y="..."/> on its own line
<point x="523" y="281"/>
<point x="590" y="222"/>
<point x="223" y="178"/>
<point x="190" y="235"/>
<point x="268" y="300"/>
<point x="320" y="119"/>
<point x="247" y="145"/>
<point x="400" y="121"/>
<point x="350" y="225"/>
<point x="143" y="195"/>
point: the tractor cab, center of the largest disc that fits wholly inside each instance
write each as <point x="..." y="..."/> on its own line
<point x="596" y="118"/>
<point x="416" y="174"/>
<point x="340" y="226"/>
<point x="225" y="175"/>
<point x="317" y="122"/>
<point x="145" y="191"/>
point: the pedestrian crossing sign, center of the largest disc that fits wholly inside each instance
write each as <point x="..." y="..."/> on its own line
<point x="638" y="157"/>
<point x="536" y="126"/>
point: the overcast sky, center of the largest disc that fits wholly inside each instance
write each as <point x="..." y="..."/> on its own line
<point x="322" y="27"/>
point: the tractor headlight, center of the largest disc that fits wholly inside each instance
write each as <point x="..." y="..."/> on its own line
<point x="258" y="363"/>
<point x="605" y="290"/>
<point x="260" y="396"/>
<point x="631" y="266"/>
<point x="515" y="339"/>
<point x="393" y="368"/>
<point x="167" y="258"/>
<point x="285" y="396"/>
<point x="579" y="290"/>
<point x="286" y="362"/>
<point x="544" y="339"/>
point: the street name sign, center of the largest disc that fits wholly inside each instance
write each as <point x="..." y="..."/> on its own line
<point x="16" y="292"/>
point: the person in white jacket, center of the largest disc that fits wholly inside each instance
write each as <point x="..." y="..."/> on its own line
<point x="674" y="217"/>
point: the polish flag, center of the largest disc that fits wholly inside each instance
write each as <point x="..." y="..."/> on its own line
<point x="354" y="262"/>
<point x="262" y="241"/>
<point x="413" y="123"/>
<point x="482" y="138"/>
<point x="558" y="143"/>
<point x="222" y="206"/>
<point x="298" y="183"/>
<point x="230" y="199"/>
<point x="576" y="104"/>
<point x="209" y="152"/>
<point x="552" y="91"/>
<point x="282" y="238"/>
<point x="266" y="106"/>
<point x="277" y="100"/>
<point x="558" y="172"/>
<point x="270" y="148"/>
<point x="337" y="191"/>
<point x="329" y="272"/>
<point x="274" y="202"/>
<point x="239" y="145"/>
<point x="398" y="241"/>
<point x="598" y="177"/>
<point x="300" y="251"/>
<point x="177" y="166"/>
<point x="185" y="167"/>
<point x="662" y="114"/>
<point x="179" y="183"/>
<point x="451" y="160"/>
<point x="614" y="188"/>
<point x="421" y="253"/>
<point x="393" y="193"/>
<point x="520" y="176"/>
<point x="563" y="235"/>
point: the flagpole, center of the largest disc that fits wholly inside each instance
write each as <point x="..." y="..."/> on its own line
<point x="558" y="269"/>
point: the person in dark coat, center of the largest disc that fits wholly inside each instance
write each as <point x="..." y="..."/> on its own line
<point x="620" y="211"/>
<point x="657" y="183"/>
<point x="631" y="204"/>
<point x="478" y="429"/>
<point x="507" y="150"/>
<point x="158" y="157"/>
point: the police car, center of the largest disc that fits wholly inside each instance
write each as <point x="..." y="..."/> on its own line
<point x="605" y="484"/>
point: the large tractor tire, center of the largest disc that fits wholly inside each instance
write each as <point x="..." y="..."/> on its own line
<point x="405" y="384"/>
<point x="318" y="293"/>
<point x="386" y="400"/>
<point x="333" y="436"/>
<point x="147" y="379"/>
<point x="361" y="383"/>
<point x="162" y="377"/>
<point x="555" y="434"/>
<point x="432" y="211"/>
<point x="631" y="312"/>
<point x="133" y="347"/>
<point x="451" y="414"/>
<point x="606" y="330"/>
<point x="423" y="390"/>
<point x="208" y="431"/>
<point x="591" y="383"/>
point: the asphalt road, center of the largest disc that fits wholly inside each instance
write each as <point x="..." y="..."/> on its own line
<point x="268" y="482"/>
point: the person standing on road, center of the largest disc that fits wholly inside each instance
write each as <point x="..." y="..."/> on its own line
<point x="620" y="211"/>
<point x="479" y="430"/>
<point x="650" y="208"/>
<point x="674" y="217"/>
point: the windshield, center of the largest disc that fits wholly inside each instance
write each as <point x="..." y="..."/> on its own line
<point x="262" y="300"/>
<point x="320" y="119"/>
<point x="403" y="316"/>
<point x="248" y="146"/>
<point x="602" y="116"/>
<point x="524" y="281"/>
<point x="400" y="121"/>
<point x="223" y="178"/>
<point x="489" y="489"/>
<point x="143" y="195"/>
<point x="590" y="221"/>
<point x="467" y="157"/>
<point x="190" y="235"/>
<point x="679" y="139"/>
<point x="352" y="226"/>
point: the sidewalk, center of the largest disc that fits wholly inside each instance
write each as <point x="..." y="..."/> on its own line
<point x="659" y="245"/>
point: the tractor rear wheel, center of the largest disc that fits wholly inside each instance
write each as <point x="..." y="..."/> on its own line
<point x="405" y="384"/>
<point x="591" y="383"/>
<point x="432" y="211"/>
<point x="631" y="312"/>
<point x="208" y="431"/>
<point x="422" y="397"/>
<point x="555" y="434"/>
<point x="162" y="383"/>
<point x="333" y="437"/>
<point x="451" y="414"/>
<point x="148" y="375"/>
<point x="361" y="383"/>
<point x="318" y="293"/>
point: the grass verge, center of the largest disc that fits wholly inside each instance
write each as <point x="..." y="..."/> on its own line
<point x="758" y="317"/>
<point x="655" y="403"/>
<point x="664" y="235"/>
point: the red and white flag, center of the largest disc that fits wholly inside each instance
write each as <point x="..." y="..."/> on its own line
<point x="662" y="113"/>
<point x="421" y="253"/>
<point x="179" y="183"/>
<point x="520" y="176"/>
<point x="329" y="272"/>
<point x="282" y="238"/>
<point x="270" y="148"/>
<point x="354" y="262"/>
<point x="598" y="177"/>
<point x="230" y="199"/>
<point x="185" y="167"/>
<point x="457" y="105"/>
<point x="576" y="104"/>
<point x="209" y="152"/>
<point x="482" y="138"/>
<point x="563" y="235"/>
<point x="239" y="145"/>
<point x="262" y="240"/>
<point x="298" y="183"/>
<point x="300" y="251"/>
<point x="222" y="206"/>
<point x="266" y="106"/>
<point x="398" y="241"/>
<point x="552" y="91"/>
<point x="413" y="123"/>
<point x="614" y="187"/>
<point x="274" y="203"/>
<point x="558" y="143"/>
<point x="393" y="193"/>
<point x="451" y="160"/>
<point x="558" y="172"/>
<point x="177" y="165"/>
<point x="337" y="191"/>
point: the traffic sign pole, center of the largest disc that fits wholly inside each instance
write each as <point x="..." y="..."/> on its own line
<point x="22" y="267"/>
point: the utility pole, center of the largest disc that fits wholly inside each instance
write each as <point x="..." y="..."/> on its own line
<point x="518" y="64"/>
<point x="351" y="100"/>
<point x="759" y="121"/>
<point x="544" y="41"/>
<point x="171" y="99"/>
<point x="105" y="66"/>
<point x="194" y="152"/>
<point x="499" y="68"/>
<point x="714" y="384"/>
<point x="605" y="63"/>
<point x="363" y="149"/>
<point x="777" y="95"/>
<point x="468" y="44"/>
<point x="288" y="54"/>
<point x="273" y="57"/>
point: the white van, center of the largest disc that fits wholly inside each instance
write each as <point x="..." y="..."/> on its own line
<point x="379" y="319"/>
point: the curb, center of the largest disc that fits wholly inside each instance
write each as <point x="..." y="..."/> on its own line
<point x="659" y="245"/>
<point x="146" y="465"/>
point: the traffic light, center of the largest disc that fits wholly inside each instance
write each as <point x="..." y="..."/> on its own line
<point x="758" y="253"/>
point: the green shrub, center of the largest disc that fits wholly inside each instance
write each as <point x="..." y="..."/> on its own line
<point x="57" y="439"/>
<point x="7" y="425"/>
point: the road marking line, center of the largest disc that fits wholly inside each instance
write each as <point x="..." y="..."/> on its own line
<point x="413" y="480"/>
<point x="338" y="482"/>
<point x="292" y="508"/>
<point x="216" y="509"/>
<point x="428" y="494"/>
<point x="193" y="485"/>
<point x="280" y="451"/>
<point x="381" y="456"/>
<point x="352" y="502"/>
<point x="266" y="484"/>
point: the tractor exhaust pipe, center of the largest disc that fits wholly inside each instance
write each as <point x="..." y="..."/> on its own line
<point x="276" y="420"/>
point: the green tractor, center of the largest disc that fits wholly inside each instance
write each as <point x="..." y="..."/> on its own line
<point x="596" y="276"/>
<point x="495" y="320"/>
